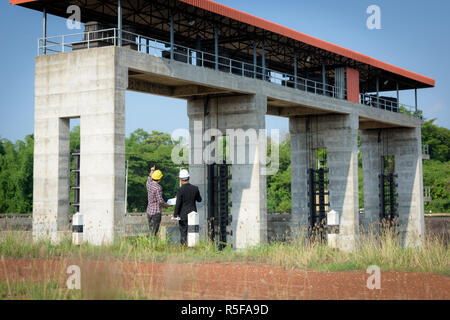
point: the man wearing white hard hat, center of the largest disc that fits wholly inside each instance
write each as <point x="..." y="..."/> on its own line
<point x="187" y="196"/>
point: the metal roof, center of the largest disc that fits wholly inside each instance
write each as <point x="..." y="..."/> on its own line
<point x="358" y="60"/>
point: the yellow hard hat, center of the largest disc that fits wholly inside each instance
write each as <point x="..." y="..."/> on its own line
<point x="157" y="175"/>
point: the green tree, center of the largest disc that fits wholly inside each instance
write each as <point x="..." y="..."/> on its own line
<point x="436" y="175"/>
<point x="143" y="150"/>
<point x="16" y="175"/>
<point x="279" y="185"/>
<point x="438" y="140"/>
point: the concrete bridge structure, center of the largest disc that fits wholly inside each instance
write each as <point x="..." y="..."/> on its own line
<point x="233" y="69"/>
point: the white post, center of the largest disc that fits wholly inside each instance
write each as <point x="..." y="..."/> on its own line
<point x="77" y="229"/>
<point x="332" y="228"/>
<point x="193" y="229"/>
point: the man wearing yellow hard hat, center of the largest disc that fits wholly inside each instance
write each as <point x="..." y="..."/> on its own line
<point x="155" y="200"/>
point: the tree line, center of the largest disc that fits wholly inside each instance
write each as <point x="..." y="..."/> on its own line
<point x="144" y="149"/>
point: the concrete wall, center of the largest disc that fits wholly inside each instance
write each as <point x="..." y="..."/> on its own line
<point x="90" y="85"/>
<point x="278" y="225"/>
<point x="137" y="224"/>
<point x="339" y="135"/>
<point x="406" y="147"/>
<point x="248" y="197"/>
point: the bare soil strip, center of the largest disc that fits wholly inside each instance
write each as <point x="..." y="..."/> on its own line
<point x="104" y="279"/>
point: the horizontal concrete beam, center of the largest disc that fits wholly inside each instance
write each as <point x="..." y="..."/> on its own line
<point x="182" y="92"/>
<point x="149" y="87"/>
<point x="369" y="124"/>
<point x="293" y="111"/>
<point x="205" y="77"/>
<point x="195" y="90"/>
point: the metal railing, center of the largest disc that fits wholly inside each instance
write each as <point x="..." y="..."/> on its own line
<point x="109" y="37"/>
<point x="387" y="103"/>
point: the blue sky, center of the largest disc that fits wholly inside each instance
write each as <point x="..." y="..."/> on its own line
<point x="415" y="35"/>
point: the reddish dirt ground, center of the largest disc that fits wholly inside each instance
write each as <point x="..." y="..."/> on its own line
<point x="101" y="279"/>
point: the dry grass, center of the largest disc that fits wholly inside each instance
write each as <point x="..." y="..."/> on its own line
<point x="384" y="250"/>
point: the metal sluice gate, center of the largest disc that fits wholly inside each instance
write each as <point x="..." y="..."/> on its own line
<point x="219" y="217"/>
<point x="318" y="202"/>
<point x="388" y="198"/>
<point x="75" y="186"/>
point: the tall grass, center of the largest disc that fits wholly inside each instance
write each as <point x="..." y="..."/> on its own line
<point x="384" y="250"/>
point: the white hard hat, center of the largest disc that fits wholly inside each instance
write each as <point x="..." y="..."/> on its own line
<point x="184" y="174"/>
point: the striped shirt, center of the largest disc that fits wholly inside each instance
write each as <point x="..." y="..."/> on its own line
<point x="155" y="199"/>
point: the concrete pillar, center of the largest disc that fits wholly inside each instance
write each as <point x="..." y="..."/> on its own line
<point x="89" y="84"/>
<point x="51" y="178"/>
<point x="236" y="117"/>
<point x="339" y="135"/>
<point x="408" y="166"/>
<point x="406" y="146"/>
<point x="371" y="149"/>
<point x="299" y="177"/>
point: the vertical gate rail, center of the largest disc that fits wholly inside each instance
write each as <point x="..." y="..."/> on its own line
<point x="318" y="205"/>
<point x="219" y="203"/>
<point x="388" y="198"/>
<point x="76" y="181"/>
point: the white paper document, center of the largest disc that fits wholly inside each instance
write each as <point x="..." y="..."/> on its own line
<point x="171" y="202"/>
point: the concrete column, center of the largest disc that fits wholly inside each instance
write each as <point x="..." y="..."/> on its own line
<point x="51" y="178"/>
<point x="372" y="153"/>
<point x="339" y="135"/>
<point x="299" y="177"/>
<point x="237" y="117"/>
<point x="408" y="166"/>
<point x="405" y="145"/>
<point x="102" y="173"/>
<point x="89" y="84"/>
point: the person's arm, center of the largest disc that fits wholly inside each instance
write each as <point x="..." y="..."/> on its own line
<point x="198" y="197"/>
<point x="152" y="169"/>
<point x="176" y="212"/>
<point x="160" y="198"/>
<point x="149" y="179"/>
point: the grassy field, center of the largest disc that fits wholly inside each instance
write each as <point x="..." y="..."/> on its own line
<point x="384" y="251"/>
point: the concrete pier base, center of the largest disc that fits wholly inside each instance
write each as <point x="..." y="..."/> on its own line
<point x="339" y="135"/>
<point x="238" y="118"/>
<point x="90" y="85"/>
<point x="51" y="173"/>
<point x="406" y="147"/>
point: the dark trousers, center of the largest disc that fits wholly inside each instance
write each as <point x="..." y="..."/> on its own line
<point x="183" y="231"/>
<point x="153" y="223"/>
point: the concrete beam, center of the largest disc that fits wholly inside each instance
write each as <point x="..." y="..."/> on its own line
<point x="149" y="87"/>
<point x="369" y="124"/>
<point x="195" y="90"/>
<point x="149" y="64"/>
<point x="293" y="111"/>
